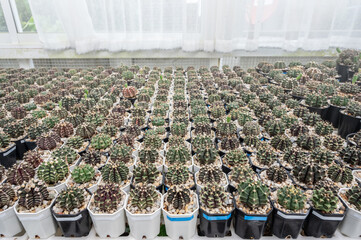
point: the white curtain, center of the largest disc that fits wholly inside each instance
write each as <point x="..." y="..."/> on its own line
<point x="191" y="25"/>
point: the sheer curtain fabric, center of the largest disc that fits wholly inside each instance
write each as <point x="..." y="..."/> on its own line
<point x="192" y="25"/>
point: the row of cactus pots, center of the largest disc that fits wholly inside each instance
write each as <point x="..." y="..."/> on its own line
<point x="141" y="141"/>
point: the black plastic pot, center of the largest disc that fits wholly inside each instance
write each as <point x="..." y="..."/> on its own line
<point x="348" y="124"/>
<point x="74" y="225"/>
<point x="285" y="225"/>
<point x="297" y="97"/>
<point x="20" y="148"/>
<point x="8" y="157"/>
<point x="333" y="115"/>
<point x="319" y="224"/>
<point x="30" y="145"/>
<point x="344" y="72"/>
<point x="249" y="226"/>
<point x="214" y="225"/>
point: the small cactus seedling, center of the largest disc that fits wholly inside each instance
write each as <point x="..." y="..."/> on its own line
<point x="266" y="156"/>
<point x="236" y="157"/>
<point x="147" y="156"/>
<point x="178" y="155"/>
<point x="64" y="129"/>
<point x="324" y="200"/>
<point x="291" y="198"/>
<point x="333" y="142"/>
<point x="121" y="153"/>
<point x="152" y="140"/>
<point x="351" y="155"/>
<point x="33" y="158"/>
<point x="206" y="156"/>
<point x="308" y="172"/>
<point x="210" y="174"/>
<point x="251" y="129"/>
<point x="276" y="174"/>
<point x="323" y="128"/>
<point x="101" y="141"/>
<point x="281" y="142"/>
<point x="7" y="195"/>
<point x="338" y="173"/>
<point x="308" y="142"/>
<point x="48" y="141"/>
<point x="66" y="154"/>
<point x="75" y="142"/>
<point x="322" y="156"/>
<point x="213" y="196"/>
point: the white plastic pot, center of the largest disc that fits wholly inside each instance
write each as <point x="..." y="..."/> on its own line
<point x="60" y="187"/>
<point x="144" y="225"/>
<point x="351" y="224"/>
<point x="181" y="225"/>
<point x="40" y="224"/>
<point x="9" y="223"/>
<point x="109" y="225"/>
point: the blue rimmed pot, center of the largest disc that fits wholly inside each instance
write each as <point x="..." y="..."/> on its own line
<point x="250" y="226"/>
<point x="8" y="156"/>
<point x="320" y="224"/>
<point x="287" y="224"/>
<point x="214" y="225"/>
<point x="181" y="226"/>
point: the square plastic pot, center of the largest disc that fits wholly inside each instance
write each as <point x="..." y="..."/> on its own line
<point x="348" y="124"/>
<point x="285" y="225"/>
<point x="74" y="225"/>
<point x="333" y="115"/>
<point x="109" y="225"/>
<point x="351" y="224"/>
<point x="250" y="226"/>
<point x="214" y="225"/>
<point x="318" y="224"/>
<point x="30" y="145"/>
<point x="8" y="157"/>
<point x="181" y="226"/>
<point x="40" y="224"/>
<point x="20" y="148"/>
<point x="9" y="223"/>
<point x="144" y="225"/>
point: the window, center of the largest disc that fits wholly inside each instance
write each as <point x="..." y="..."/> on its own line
<point x="25" y="21"/>
<point x="3" y="27"/>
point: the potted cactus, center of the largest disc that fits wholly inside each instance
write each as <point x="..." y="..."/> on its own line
<point x="347" y="63"/>
<point x="7" y="151"/>
<point x="94" y="158"/>
<point x="16" y="132"/>
<point x="143" y="211"/>
<point x="326" y="213"/>
<point x="337" y="103"/>
<point x="54" y="173"/>
<point x="275" y="177"/>
<point x="33" y="209"/>
<point x="316" y="103"/>
<point x="77" y="143"/>
<point x="101" y="142"/>
<point x="178" y="155"/>
<point x="106" y="210"/>
<point x="71" y="213"/>
<point x="84" y="176"/>
<point x="209" y="174"/>
<point x="9" y="223"/>
<point x="68" y="155"/>
<point x="178" y="175"/>
<point x="350" y="119"/>
<point x="149" y="156"/>
<point x="215" y="211"/>
<point x="290" y="211"/>
<point x="123" y="153"/>
<point x="180" y="211"/>
<point x="252" y="209"/>
<point x="117" y="173"/>
<point x="206" y="156"/>
<point x="351" y="224"/>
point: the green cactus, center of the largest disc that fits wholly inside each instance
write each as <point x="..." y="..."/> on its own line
<point x="276" y="174"/>
<point x="83" y="173"/>
<point x="4" y="140"/>
<point x="101" y="141"/>
<point x="266" y="156"/>
<point x="323" y="128"/>
<point x="308" y="172"/>
<point x="308" y="142"/>
<point x="354" y="196"/>
<point x="152" y="140"/>
<point x="217" y="112"/>
<point x="121" y="153"/>
<point x="86" y="130"/>
<point x="145" y="173"/>
<point x="177" y="175"/>
<point x="178" y="155"/>
<point x="253" y="193"/>
<point x="354" y="109"/>
<point x="351" y="155"/>
<point x="32" y="194"/>
<point x="115" y="172"/>
<point x="300" y="111"/>
<point x="206" y="156"/>
<point x="333" y="142"/>
<point x="311" y="119"/>
<point x="95" y="118"/>
<point x="324" y="200"/>
<point x="281" y="142"/>
<point x="148" y="155"/>
<point x="298" y="129"/>
<point x="322" y="156"/>
<point x="108" y="197"/>
<point x="53" y="171"/>
<point x="226" y="129"/>
<point x="236" y="157"/>
<point x="71" y="198"/>
<point x="201" y="142"/>
<point x="178" y="129"/>
<point x="275" y="128"/>
<point x="14" y="130"/>
<point x="341" y="174"/>
<point x="75" y="142"/>
<point x="291" y="198"/>
<point x="251" y="129"/>
<point x="143" y="197"/>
